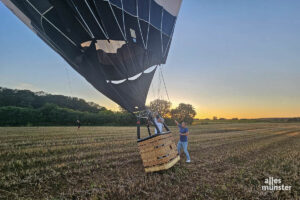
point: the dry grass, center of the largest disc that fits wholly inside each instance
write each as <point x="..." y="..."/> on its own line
<point x="229" y="161"/>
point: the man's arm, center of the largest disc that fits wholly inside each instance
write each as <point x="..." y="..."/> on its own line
<point x="186" y="134"/>
<point x="176" y="122"/>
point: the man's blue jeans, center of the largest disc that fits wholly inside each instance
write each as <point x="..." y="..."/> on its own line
<point x="184" y="145"/>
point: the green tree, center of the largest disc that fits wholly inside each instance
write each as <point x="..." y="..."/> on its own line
<point x="122" y="110"/>
<point x="184" y="112"/>
<point x="29" y="99"/>
<point x="162" y="107"/>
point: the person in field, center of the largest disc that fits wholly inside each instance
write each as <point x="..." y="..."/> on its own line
<point x="183" y="140"/>
<point x="159" y="123"/>
<point x="78" y="124"/>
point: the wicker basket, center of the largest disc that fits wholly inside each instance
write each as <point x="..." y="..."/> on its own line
<point x="158" y="152"/>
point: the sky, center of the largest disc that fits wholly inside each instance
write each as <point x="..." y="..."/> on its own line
<point x="233" y="58"/>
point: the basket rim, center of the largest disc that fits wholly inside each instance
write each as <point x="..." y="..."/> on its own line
<point x="152" y="136"/>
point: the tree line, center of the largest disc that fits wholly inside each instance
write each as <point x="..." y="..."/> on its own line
<point x="27" y="108"/>
<point x="183" y="112"/>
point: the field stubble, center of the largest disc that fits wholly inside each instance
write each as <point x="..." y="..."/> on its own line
<point x="229" y="161"/>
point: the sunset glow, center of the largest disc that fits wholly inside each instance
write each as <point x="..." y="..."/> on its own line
<point x="233" y="59"/>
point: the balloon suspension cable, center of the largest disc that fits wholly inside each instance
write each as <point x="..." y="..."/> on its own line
<point x="161" y="83"/>
<point x="69" y="81"/>
<point x="163" y="80"/>
<point x="159" y="96"/>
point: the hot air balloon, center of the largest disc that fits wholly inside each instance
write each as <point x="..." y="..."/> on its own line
<point x="116" y="45"/>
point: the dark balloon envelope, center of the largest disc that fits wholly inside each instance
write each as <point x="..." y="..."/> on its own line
<point x="114" y="44"/>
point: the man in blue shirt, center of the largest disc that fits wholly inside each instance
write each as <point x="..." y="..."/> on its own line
<point x="183" y="142"/>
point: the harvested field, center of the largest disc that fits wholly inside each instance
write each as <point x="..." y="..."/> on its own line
<point x="229" y="161"/>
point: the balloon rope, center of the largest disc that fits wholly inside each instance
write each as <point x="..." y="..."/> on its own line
<point x="69" y="81"/>
<point x="163" y="79"/>
<point x="159" y="85"/>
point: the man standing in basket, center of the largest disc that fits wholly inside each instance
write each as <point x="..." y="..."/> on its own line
<point x="183" y="142"/>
